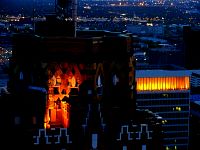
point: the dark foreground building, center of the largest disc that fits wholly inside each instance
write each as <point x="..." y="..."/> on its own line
<point x="195" y="124"/>
<point x="191" y="46"/>
<point x="75" y="91"/>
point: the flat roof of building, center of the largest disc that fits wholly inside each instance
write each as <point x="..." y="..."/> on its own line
<point x="164" y="73"/>
<point x="197" y="102"/>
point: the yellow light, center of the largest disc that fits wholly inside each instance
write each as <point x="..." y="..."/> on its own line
<point x="178" y="108"/>
<point x="162" y="83"/>
<point x="73" y="81"/>
<point x="164" y="121"/>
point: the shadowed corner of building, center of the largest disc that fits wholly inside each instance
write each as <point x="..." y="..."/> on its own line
<point x="19" y="118"/>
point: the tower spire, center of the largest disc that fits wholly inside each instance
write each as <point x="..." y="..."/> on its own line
<point x="67" y="10"/>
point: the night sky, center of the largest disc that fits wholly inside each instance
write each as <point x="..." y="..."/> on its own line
<point x="22" y="6"/>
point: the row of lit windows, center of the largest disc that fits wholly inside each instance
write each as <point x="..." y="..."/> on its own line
<point x="163" y="95"/>
<point x="163" y="83"/>
<point x="175" y="141"/>
<point x="164" y="108"/>
<point x="178" y="121"/>
<point x="169" y="109"/>
<point x="178" y="146"/>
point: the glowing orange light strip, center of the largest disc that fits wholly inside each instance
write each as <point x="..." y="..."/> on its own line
<point x="163" y="83"/>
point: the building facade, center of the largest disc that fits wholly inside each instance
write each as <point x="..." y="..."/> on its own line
<point x="167" y="93"/>
<point x="77" y="93"/>
<point x="75" y="90"/>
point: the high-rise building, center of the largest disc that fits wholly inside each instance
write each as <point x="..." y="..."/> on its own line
<point x="167" y="93"/>
<point x="75" y="91"/>
<point x="67" y="89"/>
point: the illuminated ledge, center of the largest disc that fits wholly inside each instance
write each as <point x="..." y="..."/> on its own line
<point x="163" y="80"/>
<point x="161" y="91"/>
<point x="163" y="83"/>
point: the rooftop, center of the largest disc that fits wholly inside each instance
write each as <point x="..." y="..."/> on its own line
<point x="164" y="73"/>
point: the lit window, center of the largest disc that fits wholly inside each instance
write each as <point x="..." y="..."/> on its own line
<point x="99" y="84"/>
<point x="115" y="80"/>
<point x="73" y="81"/>
<point x="21" y="76"/>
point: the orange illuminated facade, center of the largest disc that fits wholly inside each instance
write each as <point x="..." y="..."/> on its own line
<point x="163" y="83"/>
<point x="62" y="79"/>
<point x="71" y="84"/>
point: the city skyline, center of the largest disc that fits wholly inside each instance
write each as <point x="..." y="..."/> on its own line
<point x="107" y="75"/>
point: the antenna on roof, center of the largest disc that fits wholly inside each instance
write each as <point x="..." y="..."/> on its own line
<point x="61" y="9"/>
<point x="67" y="10"/>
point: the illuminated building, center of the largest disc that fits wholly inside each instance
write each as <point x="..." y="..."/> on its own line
<point x="76" y="92"/>
<point x="167" y="93"/>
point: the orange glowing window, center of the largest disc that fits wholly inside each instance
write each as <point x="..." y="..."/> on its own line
<point x="163" y="83"/>
<point x="73" y="81"/>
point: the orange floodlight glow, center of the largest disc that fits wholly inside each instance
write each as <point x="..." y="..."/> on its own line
<point x="163" y="83"/>
<point x="73" y="82"/>
<point x="57" y="111"/>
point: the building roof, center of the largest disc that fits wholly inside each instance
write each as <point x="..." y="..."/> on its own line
<point x="197" y="102"/>
<point x="195" y="98"/>
<point x="164" y="73"/>
<point x="79" y="49"/>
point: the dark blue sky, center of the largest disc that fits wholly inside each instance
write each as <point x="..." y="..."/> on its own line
<point x="21" y="2"/>
<point x="22" y="6"/>
<point x="11" y="3"/>
<point x="15" y="2"/>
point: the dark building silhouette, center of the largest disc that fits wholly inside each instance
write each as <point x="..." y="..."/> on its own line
<point x="195" y="83"/>
<point x="194" y="124"/>
<point x="191" y="47"/>
<point x="195" y="110"/>
<point x="75" y="91"/>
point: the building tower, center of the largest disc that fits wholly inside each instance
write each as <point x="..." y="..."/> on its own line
<point x="61" y="22"/>
<point x="67" y="10"/>
<point x="76" y="92"/>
